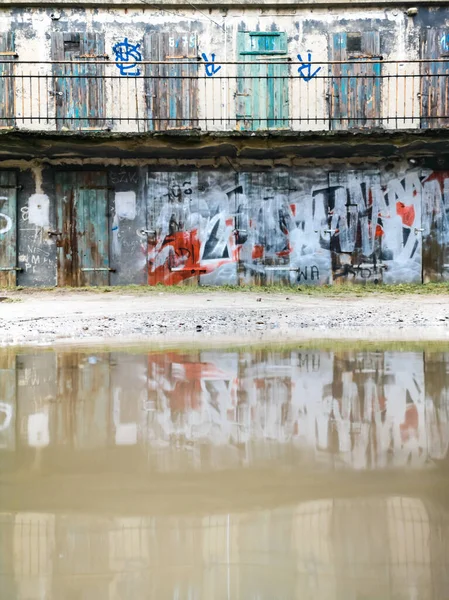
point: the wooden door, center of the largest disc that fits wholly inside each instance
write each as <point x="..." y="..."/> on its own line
<point x="82" y="229"/>
<point x="8" y="228"/>
<point x="355" y="88"/>
<point x="171" y="90"/>
<point x="79" y="87"/>
<point x="7" y="82"/>
<point x="435" y="226"/>
<point x="435" y="78"/>
<point x="262" y="87"/>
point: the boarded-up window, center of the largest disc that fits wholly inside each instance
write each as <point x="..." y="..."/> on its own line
<point x="7" y="83"/>
<point x="171" y="90"/>
<point x="262" y="83"/>
<point x="355" y="86"/>
<point x="79" y="87"/>
<point x="435" y="79"/>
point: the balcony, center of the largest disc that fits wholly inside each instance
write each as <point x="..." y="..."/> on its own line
<point x="91" y="95"/>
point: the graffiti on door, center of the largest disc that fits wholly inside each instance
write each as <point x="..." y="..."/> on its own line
<point x="284" y="227"/>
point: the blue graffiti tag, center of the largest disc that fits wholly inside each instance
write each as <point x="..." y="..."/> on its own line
<point x="305" y="70"/>
<point x="211" y="67"/>
<point x="445" y="42"/>
<point x="127" y="53"/>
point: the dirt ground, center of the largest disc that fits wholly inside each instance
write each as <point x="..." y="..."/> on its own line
<point x="218" y="317"/>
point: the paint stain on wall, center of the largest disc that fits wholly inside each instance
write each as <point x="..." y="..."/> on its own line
<point x="39" y="210"/>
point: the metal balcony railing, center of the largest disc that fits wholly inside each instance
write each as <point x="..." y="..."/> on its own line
<point x="278" y="94"/>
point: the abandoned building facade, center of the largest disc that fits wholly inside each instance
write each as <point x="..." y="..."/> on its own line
<point x="223" y="143"/>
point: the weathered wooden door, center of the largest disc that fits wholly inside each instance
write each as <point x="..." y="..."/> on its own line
<point x="262" y="86"/>
<point x="171" y="90"/>
<point x="8" y="228"/>
<point x="79" y="86"/>
<point x="173" y="228"/>
<point x="355" y="87"/>
<point x="82" y="230"/>
<point x="435" y="78"/>
<point x="7" y="82"/>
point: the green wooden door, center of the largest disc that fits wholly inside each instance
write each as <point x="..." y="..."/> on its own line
<point x="82" y="229"/>
<point x="79" y="87"/>
<point x="8" y="228"/>
<point x="262" y="80"/>
<point x="7" y="83"/>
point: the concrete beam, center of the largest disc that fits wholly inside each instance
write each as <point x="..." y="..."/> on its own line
<point x="291" y="5"/>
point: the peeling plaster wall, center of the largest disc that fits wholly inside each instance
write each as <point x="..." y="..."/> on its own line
<point x="296" y="226"/>
<point x="307" y="30"/>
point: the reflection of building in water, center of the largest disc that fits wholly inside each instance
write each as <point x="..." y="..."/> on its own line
<point x="387" y="548"/>
<point x="351" y="409"/>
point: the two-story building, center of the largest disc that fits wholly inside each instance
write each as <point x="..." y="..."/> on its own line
<point x="227" y="142"/>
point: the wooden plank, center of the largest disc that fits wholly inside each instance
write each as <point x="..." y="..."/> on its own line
<point x="7" y="82"/>
<point x="66" y="243"/>
<point x="8" y="228"/>
<point x="92" y="82"/>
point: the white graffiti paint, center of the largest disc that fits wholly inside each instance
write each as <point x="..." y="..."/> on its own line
<point x="125" y="205"/>
<point x="39" y="210"/>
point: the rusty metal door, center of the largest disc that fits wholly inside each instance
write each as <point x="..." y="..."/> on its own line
<point x="8" y="228"/>
<point x="435" y="78"/>
<point x="272" y="223"/>
<point x="78" y="87"/>
<point x="374" y="230"/>
<point x="82" y="228"/>
<point x="355" y="89"/>
<point x="171" y="90"/>
<point x="435" y="226"/>
<point x="173" y="224"/>
<point x="7" y="82"/>
<point x="262" y="87"/>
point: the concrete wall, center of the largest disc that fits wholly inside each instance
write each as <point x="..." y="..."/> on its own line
<point x="298" y="226"/>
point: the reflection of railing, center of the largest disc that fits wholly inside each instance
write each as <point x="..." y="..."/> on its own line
<point x="90" y="95"/>
<point x="380" y="543"/>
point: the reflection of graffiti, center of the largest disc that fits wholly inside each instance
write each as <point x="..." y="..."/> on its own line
<point x="305" y="70"/>
<point x="211" y="67"/>
<point x="352" y="409"/>
<point x="125" y="52"/>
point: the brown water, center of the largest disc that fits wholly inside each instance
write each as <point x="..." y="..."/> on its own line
<point x="224" y="475"/>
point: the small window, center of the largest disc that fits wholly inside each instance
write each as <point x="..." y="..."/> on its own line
<point x="72" y="42"/>
<point x="354" y="43"/>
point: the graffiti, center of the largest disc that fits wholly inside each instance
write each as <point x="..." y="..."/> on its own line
<point x="124" y="177"/>
<point x="211" y="67"/>
<point x="126" y="57"/>
<point x="305" y="70"/>
<point x="248" y="228"/>
<point x="304" y="273"/>
<point x="444" y="41"/>
<point x="5" y="223"/>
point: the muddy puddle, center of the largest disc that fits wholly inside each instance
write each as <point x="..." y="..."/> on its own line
<point x="236" y="475"/>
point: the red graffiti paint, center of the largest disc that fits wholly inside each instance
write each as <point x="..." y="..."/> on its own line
<point x="407" y="213"/>
<point x="257" y="251"/>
